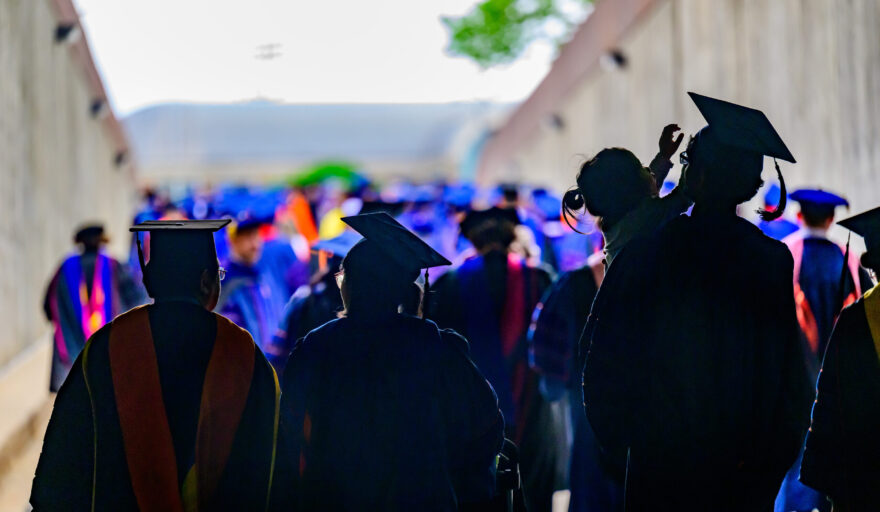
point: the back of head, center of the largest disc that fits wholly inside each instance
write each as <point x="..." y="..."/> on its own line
<point x="720" y="175"/>
<point x="177" y="260"/>
<point x="375" y="284"/>
<point x="613" y="183"/>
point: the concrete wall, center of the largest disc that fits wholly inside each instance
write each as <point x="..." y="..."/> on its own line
<point x="57" y="166"/>
<point x="812" y="65"/>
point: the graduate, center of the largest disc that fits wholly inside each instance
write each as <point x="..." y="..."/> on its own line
<point x="382" y="410"/>
<point x="169" y="406"/>
<point x="88" y="290"/>
<point x="694" y="381"/>
<point x="489" y="299"/>
<point x="553" y="343"/>
<point x="250" y="297"/>
<point x="842" y="457"/>
<point x="818" y="263"/>
<point x="313" y="305"/>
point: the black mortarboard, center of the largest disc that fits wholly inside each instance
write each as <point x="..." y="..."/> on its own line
<point x="392" y="209"/>
<point x="742" y="127"/>
<point x="88" y="231"/>
<point x="476" y="218"/>
<point x="867" y="225"/>
<point x="818" y="197"/>
<point x="401" y="245"/>
<point x="178" y="246"/>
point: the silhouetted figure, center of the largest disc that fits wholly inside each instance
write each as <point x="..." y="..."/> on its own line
<point x="842" y="456"/>
<point x="490" y="299"/>
<point x="624" y="196"/>
<point x="694" y="381"/>
<point x="779" y="227"/>
<point x="314" y="305"/>
<point x="88" y="290"/>
<point x="382" y="410"/>
<point x="251" y="298"/>
<point x="558" y="325"/>
<point x="169" y="406"/>
<point x="818" y="263"/>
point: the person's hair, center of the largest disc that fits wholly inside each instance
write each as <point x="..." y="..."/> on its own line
<point x="727" y="176"/>
<point x="375" y="285"/>
<point x="816" y="216"/>
<point x="609" y="185"/>
<point x="871" y="259"/>
<point x="492" y="231"/>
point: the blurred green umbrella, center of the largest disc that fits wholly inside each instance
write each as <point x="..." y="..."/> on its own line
<point x="343" y="172"/>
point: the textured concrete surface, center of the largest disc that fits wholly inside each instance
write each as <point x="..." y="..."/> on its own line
<point x="812" y="65"/>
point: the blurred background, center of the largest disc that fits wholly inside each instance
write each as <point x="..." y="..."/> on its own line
<point x="301" y="112"/>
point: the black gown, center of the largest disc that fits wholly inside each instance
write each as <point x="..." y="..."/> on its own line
<point x="694" y="382"/>
<point x="183" y="335"/>
<point x="559" y="323"/>
<point x="386" y="413"/>
<point x="490" y="299"/>
<point x="842" y="456"/>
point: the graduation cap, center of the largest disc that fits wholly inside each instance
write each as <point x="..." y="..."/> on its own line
<point x="391" y="208"/>
<point x="177" y="248"/>
<point x="818" y="197"/>
<point x="88" y="232"/>
<point x="401" y="245"/>
<point x="338" y="246"/>
<point x="866" y="225"/>
<point x="477" y="218"/>
<point x="748" y="130"/>
<point x="742" y="127"/>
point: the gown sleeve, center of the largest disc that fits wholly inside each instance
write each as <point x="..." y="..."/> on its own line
<point x="474" y="424"/>
<point x="63" y="479"/>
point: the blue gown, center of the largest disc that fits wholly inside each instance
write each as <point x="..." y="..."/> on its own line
<point x="249" y="298"/>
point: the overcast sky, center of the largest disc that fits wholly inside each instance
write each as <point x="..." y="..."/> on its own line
<point x="332" y="51"/>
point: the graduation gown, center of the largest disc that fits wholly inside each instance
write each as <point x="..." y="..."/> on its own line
<point x="84" y="451"/>
<point x="387" y="413"/>
<point x="694" y="381"/>
<point x="309" y="308"/>
<point x="842" y="456"/>
<point x="557" y="328"/>
<point x="490" y="300"/>
<point x="87" y="291"/>
<point x="818" y="263"/>
<point x="250" y="298"/>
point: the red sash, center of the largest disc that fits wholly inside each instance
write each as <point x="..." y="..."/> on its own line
<point x="149" y="449"/>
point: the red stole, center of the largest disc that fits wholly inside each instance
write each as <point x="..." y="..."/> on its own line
<point x="149" y="448"/>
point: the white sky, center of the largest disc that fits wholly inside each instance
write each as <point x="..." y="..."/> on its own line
<point x="333" y="51"/>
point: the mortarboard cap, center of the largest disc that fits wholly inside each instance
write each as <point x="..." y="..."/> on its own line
<point x="818" y="197"/>
<point x="867" y="225"/>
<point x="478" y="217"/>
<point x="401" y="245"/>
<point x="338" y="246"/>
<point x="391" y="208"/>
<point x="177" y="248"/>
<point x="742" y="127"/>
<point x="88" y="231"/>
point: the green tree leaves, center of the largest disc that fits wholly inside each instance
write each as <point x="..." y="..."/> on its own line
<point x="498" y="31"/>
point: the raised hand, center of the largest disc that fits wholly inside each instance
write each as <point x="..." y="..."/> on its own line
<point x="669" y="144"/>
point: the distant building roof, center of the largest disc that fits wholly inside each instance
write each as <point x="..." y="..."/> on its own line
<point x="268" y="132"/>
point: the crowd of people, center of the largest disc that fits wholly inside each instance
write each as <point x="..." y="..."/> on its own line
<point x="635" y="341"/>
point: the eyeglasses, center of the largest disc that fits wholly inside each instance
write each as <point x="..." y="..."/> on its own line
<point x="222" y="273"/>
<point x="340" y="276"/>
<point x="684" y="158"/>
